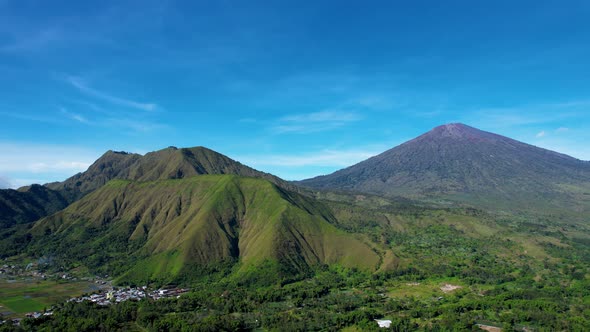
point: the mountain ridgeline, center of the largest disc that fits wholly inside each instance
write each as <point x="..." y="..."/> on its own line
<point x="463" y="164"/>
<point x="169" y="163"/>
<point x="34" y="202"/>
<point x="177" y="214"/>
<point x="442" y="231"/>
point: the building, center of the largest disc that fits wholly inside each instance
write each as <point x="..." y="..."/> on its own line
<point x="383" y="323"/>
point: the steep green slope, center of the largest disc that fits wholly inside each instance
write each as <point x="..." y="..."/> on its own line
<point x="163" y="230"/>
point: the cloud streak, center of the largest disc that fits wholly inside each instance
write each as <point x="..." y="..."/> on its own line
<point x="324" y="158"/>
<point x="42" y="161"/>
<point x="74" y="116"/>
<point x="315" y="122"/>
<point x="29" y="117"/>
<point x="533" y="114"/>
<point x="79" y="84"/>
<point x="5" y="182"/>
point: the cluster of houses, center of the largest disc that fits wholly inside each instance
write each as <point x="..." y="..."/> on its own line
<point x="39" y="314"/>
<point x="129" y="294"/>
<point x="111" y="296"/>
<point x="8" y="269"/>
<point x="17" y="321"/>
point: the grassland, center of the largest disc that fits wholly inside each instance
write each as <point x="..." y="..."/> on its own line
<point x="20" y="297"/>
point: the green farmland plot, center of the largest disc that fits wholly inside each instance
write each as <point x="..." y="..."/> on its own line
<point x="23" y="297"/>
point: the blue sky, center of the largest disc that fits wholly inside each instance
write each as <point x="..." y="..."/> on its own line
<point x="296" y="88"/>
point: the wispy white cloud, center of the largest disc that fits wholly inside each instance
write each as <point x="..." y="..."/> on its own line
<point x="5" y="182"/>
<point x="74" y="116"/>
<point x="327" y="158"/>
<point x="562" y="130"/>
<point x="30" y="117"/>
<point x="79" y="84"/>
<point x="27" y="181"/>
<point x="377" y="102"/>
<point x="299" y="166"/>
<point x="135" y="125"/>
<point x="533" y="123"/>
<point x="315" y="122"/>
<point x="531" y="114"/>
<point x="91" y="106"/>
<point x="109" y="118"/>
<point x="576" y="147"/>
<point x="58" y="165"/>
<point x="43" y="161"/>
<point x="324" y="116"/>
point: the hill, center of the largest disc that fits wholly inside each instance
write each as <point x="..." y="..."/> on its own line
<point x="31" y="203"/>
<point x="459" y="163"/>
<point x="169" y="163"/>
<point x="28" y="204"/>
<point x="109" y="166"/>
<point x="164" y="230"/>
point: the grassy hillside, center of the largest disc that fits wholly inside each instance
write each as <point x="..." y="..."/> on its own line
<point x="169" y="229"/>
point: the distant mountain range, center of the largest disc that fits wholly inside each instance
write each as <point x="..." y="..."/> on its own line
<point x="177" y="213"/>
<point x="459" y="163"/>
<point x="28" y="204"/>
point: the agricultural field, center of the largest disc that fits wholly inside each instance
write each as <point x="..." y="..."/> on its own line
<point x="20" y="297"/>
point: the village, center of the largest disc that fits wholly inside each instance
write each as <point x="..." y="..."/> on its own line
<point x="116" y="295"/>
<point x="112" y="295"/>
<point x="100" y="290"/>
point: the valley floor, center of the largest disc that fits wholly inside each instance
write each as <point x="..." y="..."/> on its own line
<point x="336" y="299"/>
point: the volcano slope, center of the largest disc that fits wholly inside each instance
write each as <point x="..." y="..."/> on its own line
<point x="458" y="163"/>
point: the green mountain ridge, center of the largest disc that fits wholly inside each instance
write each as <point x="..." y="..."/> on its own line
<point x="25" y="205"/>
<point x="162" y="230"/>
<point x="169" y="163"/>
